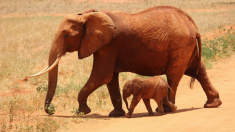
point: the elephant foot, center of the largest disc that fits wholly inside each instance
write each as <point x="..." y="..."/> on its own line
<point x="116" y="113"/>
<point x="166" y="108"/>
<point x="213" y="103"/>
<point x="159" y="114"/>
<point x="174" y="108"/>
<point x="84" y="108"/>
<point x="150" y="114"/>
<point x="128" y="115"/>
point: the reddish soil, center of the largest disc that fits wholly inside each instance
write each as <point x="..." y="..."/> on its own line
<point x="16" y="88"/>
<point x="220" y="32"/>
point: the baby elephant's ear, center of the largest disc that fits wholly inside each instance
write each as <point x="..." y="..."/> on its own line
<point x="137" y="87"/>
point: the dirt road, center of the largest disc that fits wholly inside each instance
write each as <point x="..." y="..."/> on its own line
<point x="190" y="115"/>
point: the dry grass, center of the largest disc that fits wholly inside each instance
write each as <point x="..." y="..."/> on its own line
<point x="28" y="7"/>
<point x="25" y="43"/>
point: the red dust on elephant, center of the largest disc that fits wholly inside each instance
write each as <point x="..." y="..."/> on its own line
<point x="159" y="40"/>
<point x="148" y="88"/>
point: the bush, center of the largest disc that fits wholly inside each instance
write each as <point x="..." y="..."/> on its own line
<point x="219" y="47"/>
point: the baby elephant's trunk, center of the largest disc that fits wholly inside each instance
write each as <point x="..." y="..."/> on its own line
<point x="125" y="100"/>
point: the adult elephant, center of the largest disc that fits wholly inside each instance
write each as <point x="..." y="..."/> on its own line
<point x="156" y="41"/>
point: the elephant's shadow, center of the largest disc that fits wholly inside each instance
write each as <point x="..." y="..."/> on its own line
<point x="91" y="116"/>
<point x="145" y="114"/>
<point x="134" y="115"/>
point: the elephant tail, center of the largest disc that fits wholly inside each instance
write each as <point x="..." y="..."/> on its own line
<point x="170" y="89"/>
<point x="198" y="37"/>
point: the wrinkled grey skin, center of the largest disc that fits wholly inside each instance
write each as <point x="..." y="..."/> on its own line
<point x="150" y="88"/>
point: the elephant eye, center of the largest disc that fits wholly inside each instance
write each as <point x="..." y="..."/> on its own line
<point x="66" y="35"/>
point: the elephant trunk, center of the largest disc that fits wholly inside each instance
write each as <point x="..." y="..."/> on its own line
<point x="57" y="50"/>
<point x="125" y="100"/>
<point x="52" y="76"/>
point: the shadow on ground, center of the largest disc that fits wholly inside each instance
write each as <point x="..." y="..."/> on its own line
<point x="145" y="114"/>
<point x="134" y="115"/>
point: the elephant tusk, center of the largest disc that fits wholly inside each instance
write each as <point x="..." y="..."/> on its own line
<point x="45" y="70"/>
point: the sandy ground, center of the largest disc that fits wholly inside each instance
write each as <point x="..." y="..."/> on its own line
<point x="190" y="115"/>
<point x="108" y="1"/>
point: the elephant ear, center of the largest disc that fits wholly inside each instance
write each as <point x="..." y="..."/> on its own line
<point x="99" y="30"/>
<point x="87" y="11"/>
<point x="136" y="86"/>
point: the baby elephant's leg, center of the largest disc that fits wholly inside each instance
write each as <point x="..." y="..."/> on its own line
<point x="135" y="100"/>
<point x="148" y="106"/>
<point x="160" y="107"/>
<point x="170" y="104"/>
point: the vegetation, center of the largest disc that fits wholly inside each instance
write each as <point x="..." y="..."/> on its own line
<point x="46" y="125"/>
<point x="24" y="48"/>
<point x="217" y="48"/>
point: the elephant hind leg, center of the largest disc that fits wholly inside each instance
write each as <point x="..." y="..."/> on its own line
<point x="175" y="71"/>
<point x="148" y="106"/>
<point x="212" y="94"/>
<point x="160" y="107"/>
<point x="170" y="104"/>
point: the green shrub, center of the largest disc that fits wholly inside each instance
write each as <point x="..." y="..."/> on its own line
<point x="51" y="109"/>
<point x="42" y="88"/>
<point x="48" y="125"/>
<point x="219" y="47"/>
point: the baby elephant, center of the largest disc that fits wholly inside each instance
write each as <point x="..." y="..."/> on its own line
<point x="150" y="88"/>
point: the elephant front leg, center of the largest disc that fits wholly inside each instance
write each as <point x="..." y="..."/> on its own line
<point x="135" y="100"/>
<point x="96" y="80"/>
<point x="102" y="73"/>
<point x="115" y="96"/>
<point x="89" y="87"/>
